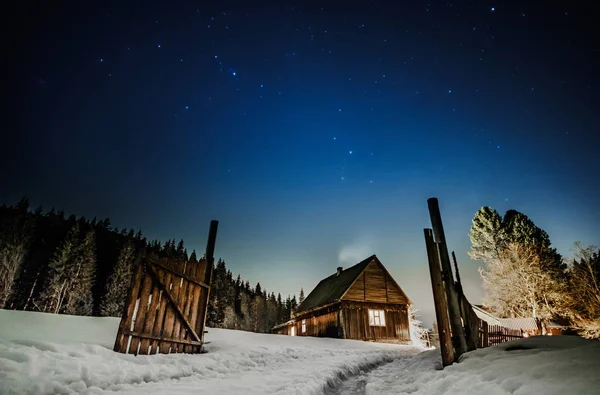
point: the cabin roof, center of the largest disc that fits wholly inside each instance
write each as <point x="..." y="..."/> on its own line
<point x="332" y="288"/>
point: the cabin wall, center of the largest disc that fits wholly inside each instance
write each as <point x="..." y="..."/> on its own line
<point x="355" y="320"/>
<point x="320" y="323"/>
<point x="325" y="325"/>
<point x="375" y="285"/>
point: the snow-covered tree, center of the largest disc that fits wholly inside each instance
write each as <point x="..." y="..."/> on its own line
<point x="518" y="284"/>
<point x="583" y="301"/>
<point x="486" y="235"/>
<point x="80" y="299"/>
<point x="58" y="281"/>
<point x="418" y="334"/>
<point x="15" y="238"/>
<point x="71" y="275"/>
<point x="301" y="297"/>
<point x="118" y="282"/>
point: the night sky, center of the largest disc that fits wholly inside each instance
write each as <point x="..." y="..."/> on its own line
<point x="313" y="131"/>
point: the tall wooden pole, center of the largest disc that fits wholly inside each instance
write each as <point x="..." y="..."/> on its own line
<point x="458" y="335"/>
<point x="210" y="259"/>
<point x="439" y="299"/>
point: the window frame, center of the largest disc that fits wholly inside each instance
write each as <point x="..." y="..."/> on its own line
<point x="376" y="317"/>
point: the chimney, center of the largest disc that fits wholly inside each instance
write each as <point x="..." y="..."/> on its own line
<point x="339" y="270"/>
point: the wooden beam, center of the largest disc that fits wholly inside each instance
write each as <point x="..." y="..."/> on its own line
<point x="439" y="299"/>
<point x="162" y="339"/>
<point x="185" y="276"/>
<point x="210" y="259"/>
<point x="173" y="303"/>
<point x="458" y="334"/>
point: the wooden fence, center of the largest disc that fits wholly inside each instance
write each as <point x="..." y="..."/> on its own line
<point x="166" y="307"/>
<point x="490" y="335"/>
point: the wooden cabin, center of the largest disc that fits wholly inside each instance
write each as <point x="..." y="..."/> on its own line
<point x="362" y="302"/>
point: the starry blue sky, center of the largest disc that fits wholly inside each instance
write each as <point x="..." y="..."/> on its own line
<point x="313" y="131"/>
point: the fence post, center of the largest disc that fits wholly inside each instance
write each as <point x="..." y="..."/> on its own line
<point x="458" y="335"/>
<point x="210" y="251"/>
<point x="439" y="299"/>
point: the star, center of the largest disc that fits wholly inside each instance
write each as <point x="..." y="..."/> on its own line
<point x="493" y="9"/>
<point x="350" y="152"/>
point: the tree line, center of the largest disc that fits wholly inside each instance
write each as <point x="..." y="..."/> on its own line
<point x="57" y="264"/>
<point x="524" y="276"/>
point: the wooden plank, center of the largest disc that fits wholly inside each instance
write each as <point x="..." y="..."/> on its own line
<point x="177" y="306"/>
<point x="181" y="317"/>
<point x="193" y="314"/>
<point x="162" y="339"/>
<point x="134" y="288"/>
<point x="168" y="326"/>
<point x="186" y="308"/>
<point x="157" y="329"/>
<point x="439" y="299"/>
<point x="151" y="314"/>
<point x="202" y="299"/>
<point x="458" y="334"/>
<point x="142" y="310"/>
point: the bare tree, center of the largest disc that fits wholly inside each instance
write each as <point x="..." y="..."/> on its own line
<point x="518" y="283"/>
<point x="583" y="302"/>
<point x="118" y="283"/>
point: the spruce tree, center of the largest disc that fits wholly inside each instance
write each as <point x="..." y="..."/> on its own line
<point x="16" y="233"/>
<point x="80" y="300"/>
<point x="118" y="282"/>
<point x="486" y="235"/>
<point x="58" y="282"/>
<point x="301" y="297"/>
<point x="193" y="257"/>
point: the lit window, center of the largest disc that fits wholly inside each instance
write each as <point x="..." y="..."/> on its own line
<point x="303" y="326"/>
<point x="376" y="318"/>
<point x="293" y="331"/>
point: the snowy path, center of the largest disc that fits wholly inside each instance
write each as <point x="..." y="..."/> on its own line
<point x="556" y="365"/>
<point x="49" y="354"/>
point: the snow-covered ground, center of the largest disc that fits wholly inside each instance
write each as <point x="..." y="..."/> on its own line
<point x="544" y="365"/>
<point x="58" y="354"/>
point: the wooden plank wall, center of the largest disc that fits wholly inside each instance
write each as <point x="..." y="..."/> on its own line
<point x="166" y="299"/>
<point x="320" y="323"/>
<point x="375" y="285"/>
<point x="356" y="322"/>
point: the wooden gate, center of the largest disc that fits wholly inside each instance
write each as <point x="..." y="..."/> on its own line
<point x="166" y="307"/>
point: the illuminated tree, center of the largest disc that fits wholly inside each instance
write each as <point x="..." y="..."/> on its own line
<point x="118" y="282"/>
<point x="583" y="301"/>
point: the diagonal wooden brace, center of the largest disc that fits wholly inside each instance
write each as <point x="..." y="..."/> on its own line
<point x="175" y="306"/>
